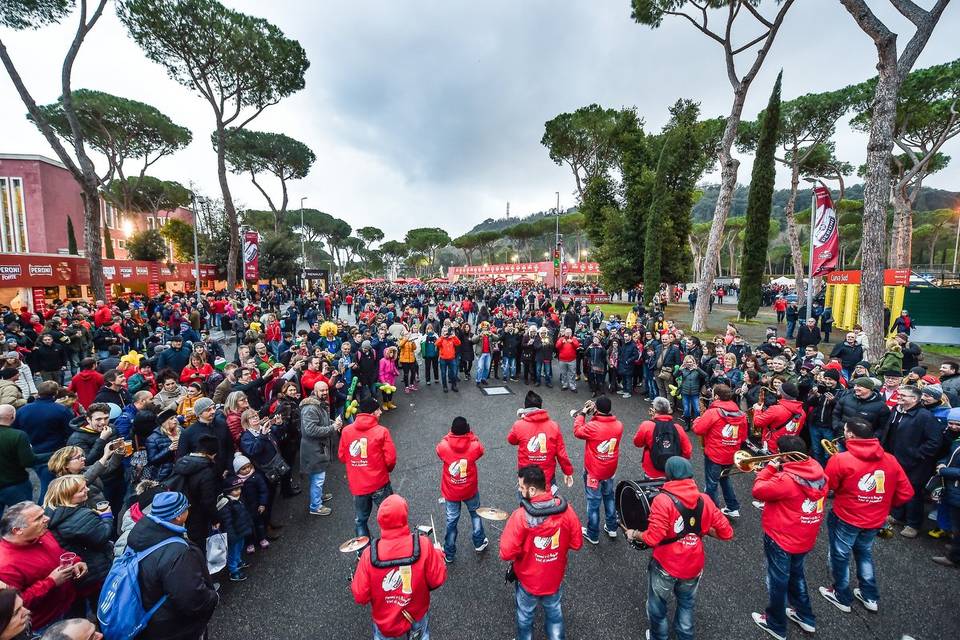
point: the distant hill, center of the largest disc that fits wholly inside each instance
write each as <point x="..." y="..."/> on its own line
<point x="499" y="224"/>
<point x="928" y="200"/>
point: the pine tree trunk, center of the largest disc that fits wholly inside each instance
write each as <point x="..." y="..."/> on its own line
<point x="902" y="234"/>
<point x="230" y="211"/>
<point x="793" y="234"/>
<point x="92" y="240"/>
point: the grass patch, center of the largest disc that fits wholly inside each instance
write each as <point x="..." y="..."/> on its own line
<point x="950" y="350"/>
<point x="619" y="308"/>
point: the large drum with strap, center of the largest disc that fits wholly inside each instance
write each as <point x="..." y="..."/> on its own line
<point x="633" y="498"/>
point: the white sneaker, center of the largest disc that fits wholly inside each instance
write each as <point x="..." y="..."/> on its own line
<point x="795" y="617"/>
<point x="583" y="530"/>
<point x="831" y="596"/>
<point x="626" y="395"/>
<point x="610" y="534"/>
<point x="909" y="532"/>
<point x="761" y="621"/>
<point x="869" y="605"/>
<point x="758" y="504"/>
<point x="483" y="545"/>
<point x="730" y="513"/>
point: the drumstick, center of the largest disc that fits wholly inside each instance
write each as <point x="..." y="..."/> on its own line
<point x="433" y="530"/>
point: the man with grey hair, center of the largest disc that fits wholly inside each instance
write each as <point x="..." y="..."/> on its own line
<point x="30" y="563"/>
<point x="16" y="456"/>
<point x="316" y="446"/>
<point x="72" y="629"/>
<point x="660" y="438"/>
<point x="567" y="347"/>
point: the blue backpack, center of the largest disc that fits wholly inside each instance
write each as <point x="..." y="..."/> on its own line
<point x="120" y="610"/>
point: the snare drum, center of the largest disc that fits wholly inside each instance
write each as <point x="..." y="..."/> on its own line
<point x="633" y="498"/>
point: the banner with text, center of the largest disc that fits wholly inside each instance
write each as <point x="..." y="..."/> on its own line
<point x="251" y="255"/>
<point x="826" y="234"/>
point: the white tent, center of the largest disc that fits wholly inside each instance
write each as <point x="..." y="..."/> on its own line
<point x="784" y="281"/>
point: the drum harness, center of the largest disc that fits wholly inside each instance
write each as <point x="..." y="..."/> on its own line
<point x="691" y="519"/>
<point x="387" y="564"/>
<point x="536" y="515"/>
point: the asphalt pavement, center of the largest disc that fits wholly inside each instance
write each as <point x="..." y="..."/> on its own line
<point x="298" y="588"/>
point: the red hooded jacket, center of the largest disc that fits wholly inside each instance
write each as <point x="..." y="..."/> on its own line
<point x="567" y="350"/>
<point x="86" y="384"/>
<point x="538" y="546"/>
<point x="458" y="476"/>
<point x="724" y="428"/>
<point x="541" y="443"/>
<point x="644" y="438"/>
<point x="367" y="451"/>
<point x="604" y="435"/>
<point x="795" y="499"/>
<point x="786" y="418"/>
<point x="684" y="558"/>
<point x="866" y="482"/>
<point x="392" y="590"/>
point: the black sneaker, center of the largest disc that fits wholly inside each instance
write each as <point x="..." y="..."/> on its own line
<point x="444" y="389"/>
<point x="238" y="576"/>
<point x="455" y="389"/>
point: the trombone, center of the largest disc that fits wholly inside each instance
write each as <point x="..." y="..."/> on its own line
<point x="743" y="462"/>
<point x="832" y="447"/>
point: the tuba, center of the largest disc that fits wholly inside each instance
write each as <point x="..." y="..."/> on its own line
<point x="832" y="447"/>
<point x="743" y="462"/>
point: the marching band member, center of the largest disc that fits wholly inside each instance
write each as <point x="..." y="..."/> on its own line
<point x="603" y="435"/>
<point x="678" y="556"/>
<point x="536" y="540"/>
<point x="794" y="493"/>
<point x="866" y="483"/>
<point x="540" y="441"/>
<point x="661" y="438"/>
<point x="723" y="427"/>
<point x="367" y="451"/>
<point x="459" y="451"/>
<point x="396" y="574"/>
<point x="785" y="418"/>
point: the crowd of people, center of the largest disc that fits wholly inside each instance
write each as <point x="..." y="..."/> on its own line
<point x="130" y="424"/>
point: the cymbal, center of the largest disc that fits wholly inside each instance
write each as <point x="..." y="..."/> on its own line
<point x="491" y="513"/>
<point x="354" y="544"/>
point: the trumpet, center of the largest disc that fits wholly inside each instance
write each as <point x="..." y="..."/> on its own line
<point x="589" y="407"/>
<point x="743" y="462"/>
<point x="832" y="447"/>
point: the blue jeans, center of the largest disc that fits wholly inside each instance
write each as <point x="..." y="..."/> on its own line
<point x="483" y="367"/>
<point x="791" y="325"/>
<point x="626" y="381"/>
<point x="509" y="367"/>
<point x="422" y="625"/>
<point x="453" y="517"/>
<point x="316" y="489"/>
<point x="691" y="405"/>
<point x="712" y="478"/>
<point x="545" y="372"/>
<point x="449" y="372"/>
<point x="650" y="382"/>
<point x="816" y="435"/>
<point x="660" y="585"/>
<point x="527" y="608"/>
<point x="363" y="505"/>
<point x="14" y="493"/>
<point x="234" y="554"/>
<point x="786" y="582"/>
<point x="844" y="539"/>
<point x="604" y="493"/>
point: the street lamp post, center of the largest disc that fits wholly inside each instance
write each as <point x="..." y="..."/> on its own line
<point x="303" y="246"/>
<point x="196" y="249"/>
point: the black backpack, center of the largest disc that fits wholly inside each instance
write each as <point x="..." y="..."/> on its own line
<point x="665" y="444"/>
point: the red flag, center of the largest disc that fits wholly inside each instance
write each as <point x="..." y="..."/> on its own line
<point x="826" y="234"/>
<point x="251" y="255"/>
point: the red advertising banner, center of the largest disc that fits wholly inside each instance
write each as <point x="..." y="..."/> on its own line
<point x="39" y="301"/>
<point x="891" y="277"/>
<point x="826" y="234"/>
<point x="521" y="268"/>
<point x="38" y="270"/>
<point x="251" y="255"/>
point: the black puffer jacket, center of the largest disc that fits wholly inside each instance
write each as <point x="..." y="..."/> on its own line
<point x="874" y="410"/>
<point x="85" y="533"/>
<point x="90" y="441"/>
<point x="180" y="572"/>
<point x="195" y="476"/>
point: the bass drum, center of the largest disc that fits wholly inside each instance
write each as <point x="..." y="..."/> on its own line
<point x="633" y="498"/>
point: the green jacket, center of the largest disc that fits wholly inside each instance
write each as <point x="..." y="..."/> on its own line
<point x="16" y="456"/>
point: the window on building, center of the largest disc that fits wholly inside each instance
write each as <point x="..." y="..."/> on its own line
<point x="13" y="216"/>
<point x="109" y="215"/>
<point x="121" y="244"/>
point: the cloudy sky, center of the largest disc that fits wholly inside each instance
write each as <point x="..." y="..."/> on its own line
<point x="429" y="113"/>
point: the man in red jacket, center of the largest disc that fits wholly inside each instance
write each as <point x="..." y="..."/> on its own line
<point x="794" y="493"/>
<point x="396" y="574"/>
<point x="86" y="383"/>
<point x="367" y="451"/>
<point x="540" y="440"/>
<point x="867" y="483"/>
<point x="536" y="540"/>
<point x="459" y="451"/>
<point x="723" y="427"/>
<point x="678" y="555"/>
<point x="603" y="435"/>
<point x="785" y="418"/>
<point x="647" y="438"/>
<point x="567" y="347"/>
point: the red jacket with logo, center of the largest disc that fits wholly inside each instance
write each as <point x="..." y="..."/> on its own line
<point x="604" y="436"/>
<point x="782" y="419"/>
<point x="567" y="349"/>
<point x="538" y="546"/>
<point x="86" y="384"/>
<point x="724" y="428"/>
<point x="541" y="443"/>
<point x="684" y="558"/>
<point x="795" y="498"/>
<point x="367" y="451"/>
<point x="458" y="476"/>
<point x="644" y="438"/>
<point x="866" y="482"/>
<point x="392" y="590"/>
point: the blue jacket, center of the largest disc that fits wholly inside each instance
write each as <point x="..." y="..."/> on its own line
<point x="46" y="423"/>
<point x="160" y="458"/>
<point x="951" y="474"/>
<point x="914" y="438"/>
<point x="175" y="359"/>
<point x="629" y="354"/>
<point x="124" y="422"/>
